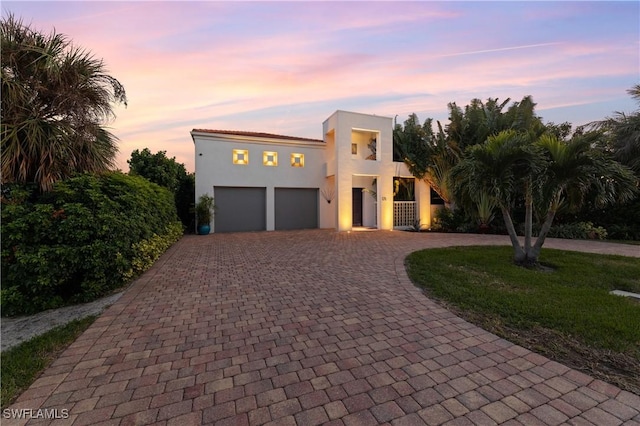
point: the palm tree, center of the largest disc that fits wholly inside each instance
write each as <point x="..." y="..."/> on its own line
<point x="55" y="100"/>
<point x="575" y="171"/>
<point x="624" y="132"/>
<point x="547" y="172"/>
<point x="499" y="169"/>
<point x="479" y="120"/>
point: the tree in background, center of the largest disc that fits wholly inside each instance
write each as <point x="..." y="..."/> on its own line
<point x="428" y="155"/>
<point x="480" y="120"/>
<point x="185" y="197"/>
<point x="623" y="134"/>
<point x="157" y="168"/>
<point x="167" y="172"/>
<point x="432" y="155"/>
<point x="56" y="98"/>
<point x="619" y="137"/>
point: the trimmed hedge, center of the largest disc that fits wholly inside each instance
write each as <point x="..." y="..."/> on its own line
<point x="88" y="236"/>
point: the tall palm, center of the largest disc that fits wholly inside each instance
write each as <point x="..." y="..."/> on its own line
<point x="56" y="99"/>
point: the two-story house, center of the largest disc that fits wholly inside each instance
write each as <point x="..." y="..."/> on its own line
<point x="346" y="180"/>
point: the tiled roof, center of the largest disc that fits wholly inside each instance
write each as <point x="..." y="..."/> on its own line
<point x="256" y="134"/>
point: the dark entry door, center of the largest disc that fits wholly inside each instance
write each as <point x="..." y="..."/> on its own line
<point x="357" y="206"/>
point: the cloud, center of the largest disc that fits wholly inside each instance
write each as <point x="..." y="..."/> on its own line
<point x="501" y="49"/>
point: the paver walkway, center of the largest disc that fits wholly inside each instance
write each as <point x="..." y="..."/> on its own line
<point x="20" y="329"/>
<point x="305" y="328"/>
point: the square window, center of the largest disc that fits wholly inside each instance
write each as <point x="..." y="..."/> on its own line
<point x="297" y="160"/>
<point x="354" y="149"/>
<point x="270" y="158"/>
<point x="240" y="156"/>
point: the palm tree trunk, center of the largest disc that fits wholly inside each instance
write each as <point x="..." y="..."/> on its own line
<point x="528" y="221"/>
<point x="519" y="255"/>
<point x="546" y="226"/>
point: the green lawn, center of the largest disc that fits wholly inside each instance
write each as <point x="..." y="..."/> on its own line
<point x="22" y="364"/>
<point x="563" y="310"/>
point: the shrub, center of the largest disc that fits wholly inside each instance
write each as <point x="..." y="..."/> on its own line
<point x="578" y="230"/>
<point x="624" y="232"/>
<point x="81" y="240"/>
<point x="621" y="221"/>
<point x="447" y="220"/>
<point x="146" y="252"/>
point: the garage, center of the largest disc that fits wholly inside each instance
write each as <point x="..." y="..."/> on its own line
<point x="296" y="208"/>
<point x="239" y="209"/>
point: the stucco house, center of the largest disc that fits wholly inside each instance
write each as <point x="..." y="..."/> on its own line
<point x="345" y="180"/>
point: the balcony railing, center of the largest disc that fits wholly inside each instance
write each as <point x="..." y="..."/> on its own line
<point x="404" y="213"/>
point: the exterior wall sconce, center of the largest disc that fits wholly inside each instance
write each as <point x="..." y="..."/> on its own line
<point x="241" y="156"/>
<point x="297" y="160"/>
<point x="328" y="193"/>
<point x="270" y="158"/>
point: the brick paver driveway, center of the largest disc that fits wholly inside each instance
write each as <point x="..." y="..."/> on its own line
<point x="304" y="328"/>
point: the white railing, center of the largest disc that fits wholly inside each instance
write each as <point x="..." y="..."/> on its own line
<point x="404" y="213"/>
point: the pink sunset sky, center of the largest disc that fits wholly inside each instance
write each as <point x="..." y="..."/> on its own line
<point x="284" y="67"/>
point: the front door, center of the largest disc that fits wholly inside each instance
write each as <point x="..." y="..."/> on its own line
<point x="357" y="206"/>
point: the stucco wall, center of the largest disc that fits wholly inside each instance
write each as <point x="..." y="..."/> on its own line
<point x="342" y="124"/>
<point x="214" y="167"/>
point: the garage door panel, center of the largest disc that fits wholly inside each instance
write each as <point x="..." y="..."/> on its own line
<point x="239" y="209"/>
<point x="296" y="208"/>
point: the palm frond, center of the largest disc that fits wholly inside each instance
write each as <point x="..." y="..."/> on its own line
<point x="55" y="100"/>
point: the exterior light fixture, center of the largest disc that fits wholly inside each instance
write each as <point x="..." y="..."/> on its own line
<point x="241" y="156"/>
<point x="297" y="160"/>
<point x="270" y="158"/>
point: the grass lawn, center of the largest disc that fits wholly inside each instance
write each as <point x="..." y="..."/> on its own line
<point x="562" y="310"/>
<point x="21" y="365"/>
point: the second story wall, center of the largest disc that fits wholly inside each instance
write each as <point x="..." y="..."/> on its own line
<point x="226" y="160"/>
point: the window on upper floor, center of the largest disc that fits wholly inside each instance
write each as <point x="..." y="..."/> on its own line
<point x="270" y="158"/>
<point x="241" y="156"/>
<point x="297" y="160"/>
